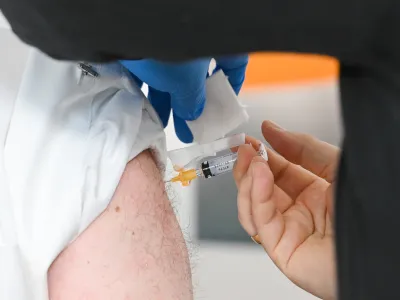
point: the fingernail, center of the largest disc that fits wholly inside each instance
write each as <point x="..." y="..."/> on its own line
<point x="262" y="151"/>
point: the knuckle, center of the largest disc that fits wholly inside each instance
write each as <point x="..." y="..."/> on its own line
<point x="307" y="138"/>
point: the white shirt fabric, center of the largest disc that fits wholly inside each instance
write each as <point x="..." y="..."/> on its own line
<point x="13" y="56"/>
<point x="64" y="144"/>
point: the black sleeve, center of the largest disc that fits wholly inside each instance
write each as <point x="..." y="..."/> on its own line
<point x="178" y="29"/>
<point x="368" y="190"/>
<point x="363" y="34"/>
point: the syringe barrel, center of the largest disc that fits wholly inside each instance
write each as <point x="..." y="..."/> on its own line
<point x="218" y="165"/>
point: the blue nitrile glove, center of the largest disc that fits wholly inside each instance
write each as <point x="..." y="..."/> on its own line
<point x="181" y="86"/>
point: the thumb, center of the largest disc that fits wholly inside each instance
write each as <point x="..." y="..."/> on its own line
<point x="189" y="105"/>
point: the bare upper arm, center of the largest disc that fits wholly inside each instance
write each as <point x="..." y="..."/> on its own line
<point x="134" y="250"/>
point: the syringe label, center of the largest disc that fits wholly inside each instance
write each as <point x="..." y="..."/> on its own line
<point x="220" y="165"/>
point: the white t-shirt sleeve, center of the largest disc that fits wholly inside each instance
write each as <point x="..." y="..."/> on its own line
<point x="68" y="142"/>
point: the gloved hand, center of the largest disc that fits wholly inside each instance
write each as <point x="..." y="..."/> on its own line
<point x="181" y="86"/>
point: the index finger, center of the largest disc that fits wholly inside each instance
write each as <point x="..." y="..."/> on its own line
<point x="312" y="154"/>
<point x="246" y="153"/>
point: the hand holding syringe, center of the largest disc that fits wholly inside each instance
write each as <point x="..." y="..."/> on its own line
<point x="215" y="166"/>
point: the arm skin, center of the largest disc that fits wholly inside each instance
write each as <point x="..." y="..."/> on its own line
<point x="134" y="250"/>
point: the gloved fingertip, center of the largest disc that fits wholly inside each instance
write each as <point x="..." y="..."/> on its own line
<point x="238" y="87"/>
<point x="182" y="130"/>
<point x="186" y="138"/>
<point x="189" y="107"/>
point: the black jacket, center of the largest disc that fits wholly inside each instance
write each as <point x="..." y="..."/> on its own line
<point x="362" y="34"/>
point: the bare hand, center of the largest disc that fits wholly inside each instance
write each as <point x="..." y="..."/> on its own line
<point x="288" y="203"/>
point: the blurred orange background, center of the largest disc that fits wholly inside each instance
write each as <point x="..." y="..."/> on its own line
<point x="281" y="68"/>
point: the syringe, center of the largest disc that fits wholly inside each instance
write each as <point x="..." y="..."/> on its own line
<point x="213" y="167"/>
